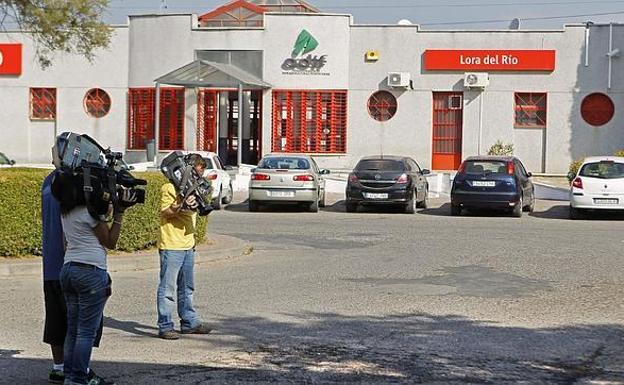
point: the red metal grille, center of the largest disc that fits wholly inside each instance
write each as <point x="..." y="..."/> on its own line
<point x="43" y="103"/>
<point x="171" y="119"/>
<point x="141" y="109"/>
<point x="382" y="106"/>
<point x="309" y="121"/>
<point x="97" y="103"/>
<point x="530" y="110"/>
<point x="447" y="130"/>
<point x="206" y="120"/>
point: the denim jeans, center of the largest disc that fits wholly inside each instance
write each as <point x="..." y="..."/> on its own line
<point x="86" y="289"/>
<point x="176" y="279"/>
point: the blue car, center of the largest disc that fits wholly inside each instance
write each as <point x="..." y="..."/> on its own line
<point x="492" y="182"/>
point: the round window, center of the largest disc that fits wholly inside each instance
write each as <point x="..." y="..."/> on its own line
<point x="597" y="109"/>
<point x="382" y="106"/>
<point x="97" y="103"/>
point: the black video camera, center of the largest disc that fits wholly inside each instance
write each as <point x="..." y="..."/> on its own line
<point x="178" y="169"/>
<point x="91" y="175"/>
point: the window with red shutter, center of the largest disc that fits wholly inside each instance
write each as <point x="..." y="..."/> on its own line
<point x="309" y="121"/>
<point x="530" y="110"/>
<point x="141" y="109"/>
<point x="97" y="103"/>
<point x="43" y="103"/>
<point x="382" y="106"/>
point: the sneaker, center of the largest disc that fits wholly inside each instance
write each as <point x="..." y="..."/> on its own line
<point x="169" y="335"/>
<point x="94" y="379"/>
<point x="199" y="329"/>
<point x="56" y="376"/>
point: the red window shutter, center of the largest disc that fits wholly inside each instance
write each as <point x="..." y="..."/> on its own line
<point x="206" y="120"/>
<point x="309" y="121"/>
<point x="171" y="133"/>
<point x="141" y="110"/>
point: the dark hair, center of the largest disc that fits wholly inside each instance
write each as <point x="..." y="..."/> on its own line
<point x="64" y="190"/>
<point x="196" y="160"/>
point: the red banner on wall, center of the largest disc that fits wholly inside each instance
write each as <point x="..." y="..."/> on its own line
<point x="10" y="59"/>
<point x="489" y="60"/>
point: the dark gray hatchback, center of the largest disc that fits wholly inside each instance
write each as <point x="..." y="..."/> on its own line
<point x="492" y="182"/>
<point x="387" y="180"/>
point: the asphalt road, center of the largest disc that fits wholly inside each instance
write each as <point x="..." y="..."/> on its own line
<point x="368" y="297"/>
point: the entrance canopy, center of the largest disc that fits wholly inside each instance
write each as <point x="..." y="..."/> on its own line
<point x="203" y="73"/>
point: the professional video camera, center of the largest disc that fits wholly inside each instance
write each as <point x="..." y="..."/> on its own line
<point x="181" y="173"/>
<point x="91" y="175"/>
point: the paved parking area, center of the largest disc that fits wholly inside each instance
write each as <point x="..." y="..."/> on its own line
<point x="369" y="297"/>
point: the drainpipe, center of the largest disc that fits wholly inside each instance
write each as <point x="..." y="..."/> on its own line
<point x="587" y="26"/>
<point x="611" y="54"/>
<point x="239" y="141"/>
<point x="480" y="122"/>
<point x="157" y="125"/>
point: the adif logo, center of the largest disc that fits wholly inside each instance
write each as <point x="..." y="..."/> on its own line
<point x="304" y="44"/>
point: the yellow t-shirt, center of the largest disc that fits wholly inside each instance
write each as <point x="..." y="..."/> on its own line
<point x="177" y="232"/>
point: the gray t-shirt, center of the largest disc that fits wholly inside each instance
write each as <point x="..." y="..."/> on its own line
<point x="82" y="244"/>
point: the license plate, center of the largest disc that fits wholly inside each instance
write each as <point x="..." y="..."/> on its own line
<point x="483" y="183"/>
<point x="606" y="201"/>
<point x="282" y="194"/>
<point x="376" y="195"/>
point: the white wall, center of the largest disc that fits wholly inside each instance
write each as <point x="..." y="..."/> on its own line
<point x="29" y="141"/>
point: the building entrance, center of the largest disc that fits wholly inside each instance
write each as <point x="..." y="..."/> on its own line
<point x="217" y="131"/>
<point x="447" y="130"/>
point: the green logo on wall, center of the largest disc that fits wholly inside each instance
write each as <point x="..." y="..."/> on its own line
<point x="301" y="61"/>
<point x="305" y="43"/>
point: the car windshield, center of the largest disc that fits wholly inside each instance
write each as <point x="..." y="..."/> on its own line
<point x="209" y="165"/>
<point x="603" y="170"/>
<point x="288" y="163"/>
<point x="380" y="165"/>
<point x="485" y="167"/>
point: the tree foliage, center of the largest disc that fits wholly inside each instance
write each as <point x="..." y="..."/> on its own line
<point x="70" y="26"/>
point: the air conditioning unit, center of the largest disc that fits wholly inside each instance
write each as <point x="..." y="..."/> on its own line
<point x="476" y="79"/>
<point x="399" y="79"/>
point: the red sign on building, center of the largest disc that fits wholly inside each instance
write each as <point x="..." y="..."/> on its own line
<point x="10" y="59"/>
<point x="489" y="60"/>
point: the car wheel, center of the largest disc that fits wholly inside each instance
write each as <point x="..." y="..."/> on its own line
<point x="254" y="205"/>
<point x="425" y="202"/>
<point x="410" y="207"/>
<point x="517" y="210"/>
<point x="314" y="207"/>
<point x="322" y="201"/>
<point x="575" y="213"/>
<point x="229" y="197"/>
<point x="531" y="207"/>
<point x="351" y="207"/>
<point x="216" y="203"/>
<point x="455" y="210"/>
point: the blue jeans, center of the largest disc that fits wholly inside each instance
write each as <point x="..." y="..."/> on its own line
<point x="176" y="277"/>
<point x="86" y="289"/>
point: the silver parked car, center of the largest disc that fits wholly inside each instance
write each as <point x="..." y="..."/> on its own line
<point x="287" y="178"/>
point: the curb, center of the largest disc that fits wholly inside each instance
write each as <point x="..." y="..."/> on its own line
<point x="221" y="247"/>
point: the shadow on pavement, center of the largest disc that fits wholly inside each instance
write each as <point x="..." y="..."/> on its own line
<point x="131" y="327"/>
<point x="400" y="349"/>
<point x="563" y="212"/>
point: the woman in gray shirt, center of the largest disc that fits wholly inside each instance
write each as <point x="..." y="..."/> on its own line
<point x="86" y="284"/>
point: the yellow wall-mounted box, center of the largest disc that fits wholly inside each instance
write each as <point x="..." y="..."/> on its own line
<point x="372" y="55"/>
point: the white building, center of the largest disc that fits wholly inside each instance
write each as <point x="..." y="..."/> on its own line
<point x="318" y="83"/>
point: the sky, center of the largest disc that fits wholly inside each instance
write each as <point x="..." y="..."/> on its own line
<point x="430" y="14"/>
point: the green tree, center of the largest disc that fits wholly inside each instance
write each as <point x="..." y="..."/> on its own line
<point x="71" y="26"/>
